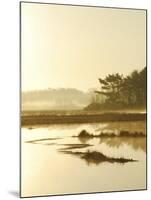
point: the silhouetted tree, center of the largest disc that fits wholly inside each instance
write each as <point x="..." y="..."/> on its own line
<point x="129" y="91"/>
<point x="111" y="87"/>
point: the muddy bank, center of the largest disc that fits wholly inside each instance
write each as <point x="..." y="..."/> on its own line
<point x="37" y="141"/>
<point x="81" y="118"/>
<point x="97" y="157"/>
<point x="74" y="146"/>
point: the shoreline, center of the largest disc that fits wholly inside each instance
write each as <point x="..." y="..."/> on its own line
<point x="81" y="118"/>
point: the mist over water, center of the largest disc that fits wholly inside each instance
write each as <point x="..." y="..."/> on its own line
<point x="56" y="99"/>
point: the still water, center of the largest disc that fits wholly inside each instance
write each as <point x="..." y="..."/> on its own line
<point x="46" y="170"/>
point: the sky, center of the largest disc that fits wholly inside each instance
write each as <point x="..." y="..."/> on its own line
<point x="73" y="46"/>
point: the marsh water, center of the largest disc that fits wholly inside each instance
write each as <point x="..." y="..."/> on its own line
<point x="48" y="168"/>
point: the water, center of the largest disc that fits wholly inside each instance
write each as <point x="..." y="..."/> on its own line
<point x="47" y="171"/>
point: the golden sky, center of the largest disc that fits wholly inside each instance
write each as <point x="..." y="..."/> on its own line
<point x="72" y="46"/>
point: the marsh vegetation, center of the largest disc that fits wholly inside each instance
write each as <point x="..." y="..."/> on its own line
<point x="58" y="151"/>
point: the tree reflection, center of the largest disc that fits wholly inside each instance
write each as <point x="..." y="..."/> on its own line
<point x="135" y="143"/>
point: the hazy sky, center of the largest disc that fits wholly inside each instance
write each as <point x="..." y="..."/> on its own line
<point x="72" y="46"/>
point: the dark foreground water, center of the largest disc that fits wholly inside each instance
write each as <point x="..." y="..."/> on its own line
<point x="50" y="167"/>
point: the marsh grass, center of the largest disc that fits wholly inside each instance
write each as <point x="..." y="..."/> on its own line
<point x="122" y="133"/>
<point x="97" y="157"/>
<point x="79" y="117"/>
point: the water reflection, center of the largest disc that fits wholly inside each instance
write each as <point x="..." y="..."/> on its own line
<point x="135" y="143"/>
<point x="82" y="159"/>
<point x="84" y="140"/>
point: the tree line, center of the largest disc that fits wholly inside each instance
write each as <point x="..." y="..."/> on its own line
<point x="122" y="92"/>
